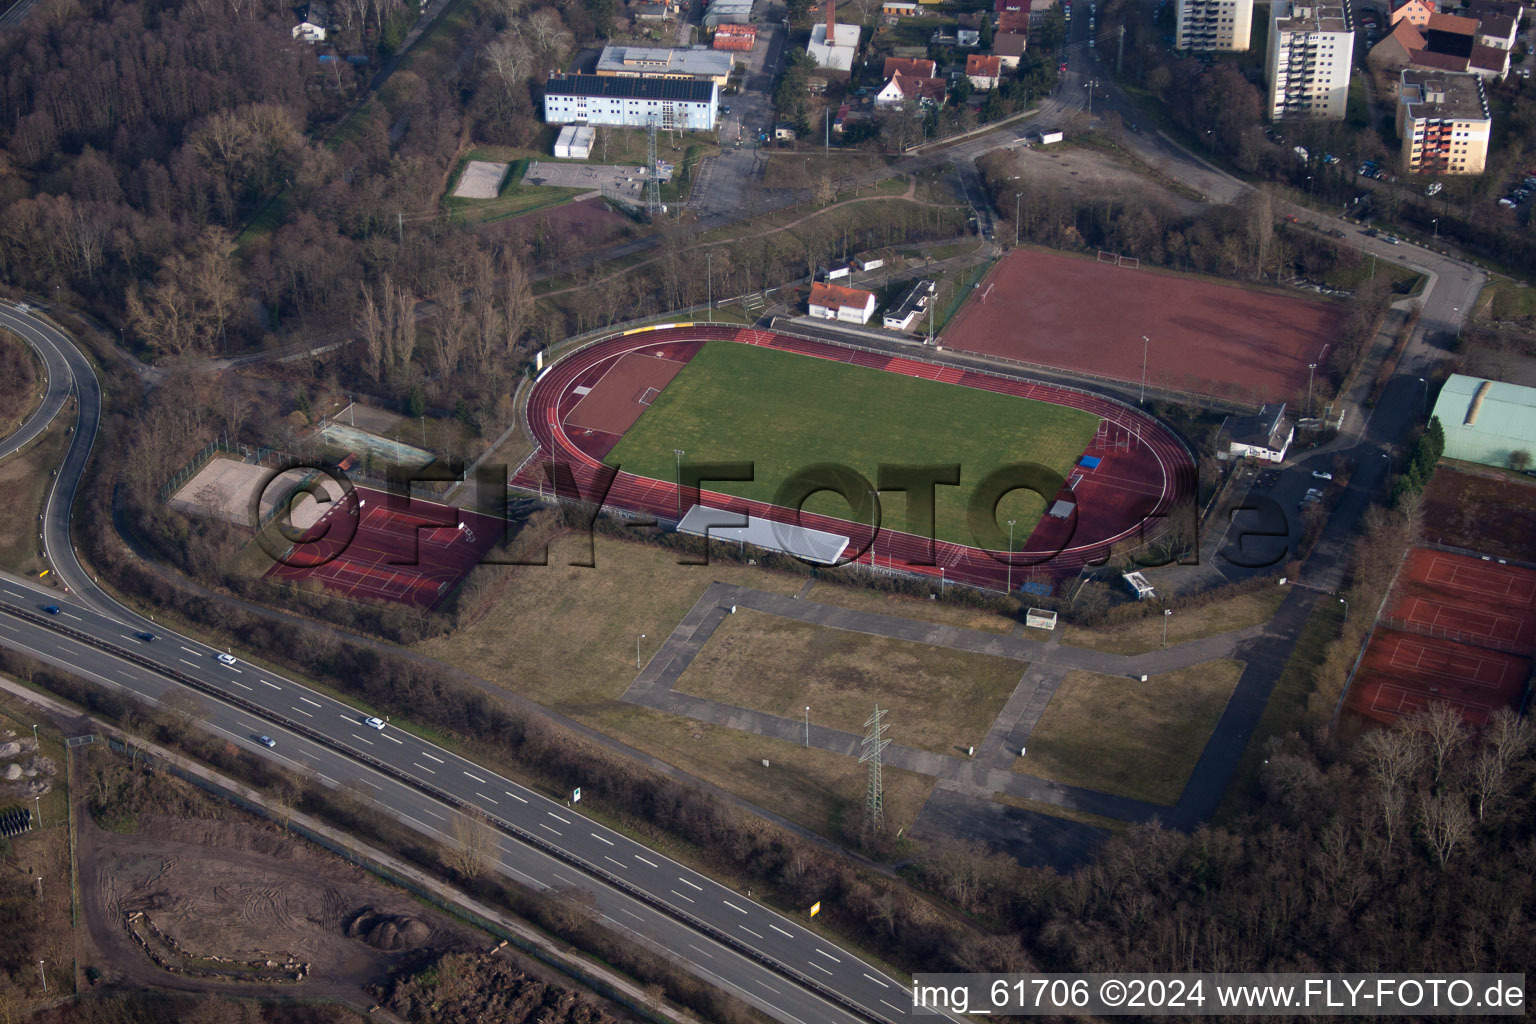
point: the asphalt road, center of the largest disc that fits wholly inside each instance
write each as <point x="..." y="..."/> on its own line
<point x="55" y="392"/>
<point x="731" y="940"/>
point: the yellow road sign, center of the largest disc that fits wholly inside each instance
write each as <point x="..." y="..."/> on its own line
<point x="815" y="908"/>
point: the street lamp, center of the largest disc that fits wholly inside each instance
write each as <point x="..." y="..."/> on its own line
<point x="637" y="649"/>
<point x="1457" y="310"/>
<point x="807" y="726"/>
<point x="1166" y="612"/>
<point x="678" y="480"/>
<point x="1010" y="554"/>
<point x="1346" y="608"/>
<point x="874" y="506"/>
<point x="1309" y="186"/>
<point x="1017" y="198"/>
<point x="1436" y="222"/>
<point x="1425" y="382"/>
<point x="1143" y="399"/>
<point x="709" y="284"/>
<point x="1310" y="367"/>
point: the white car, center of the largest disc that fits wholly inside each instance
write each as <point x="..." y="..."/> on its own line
<point x="1319" y="474"/>
<point x="226" y="659"/>
<point x="374" y="723"/>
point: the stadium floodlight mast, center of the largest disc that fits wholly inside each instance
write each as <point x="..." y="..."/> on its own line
<point x="678" y="480"/>
<point x="874" y="506"/>
<point x="807" y="726"/>
<point x="1310" y="368"/>
<point x="1010" y="554"/>
<point x="1017" y="199"/>
<point x="1144" y="343"/>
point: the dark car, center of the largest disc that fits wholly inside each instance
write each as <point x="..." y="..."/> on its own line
<point x="146" y="637"/>
<point x="51" y="609"/>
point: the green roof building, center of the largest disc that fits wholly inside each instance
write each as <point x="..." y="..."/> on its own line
<point x="1486" y="421"/>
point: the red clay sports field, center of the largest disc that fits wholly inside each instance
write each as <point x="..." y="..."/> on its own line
<point x="581" y="406"/>
<point x="1204" y="336"/>
<point x="1458" y="630"/>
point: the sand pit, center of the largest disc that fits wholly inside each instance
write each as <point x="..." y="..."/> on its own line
<point x="226" y="489"/>
<point x="480" y="180"/>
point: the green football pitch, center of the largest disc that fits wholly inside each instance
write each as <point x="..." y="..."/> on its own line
<point x="785" y="412"/>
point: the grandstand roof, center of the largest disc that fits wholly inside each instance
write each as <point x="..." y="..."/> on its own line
<point x="802" y="542"/>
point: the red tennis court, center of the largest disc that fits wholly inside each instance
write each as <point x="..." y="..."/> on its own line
<point x="413" y="554"/>
<point x="1466" y="599"/>
<point x="1403" y="673"/>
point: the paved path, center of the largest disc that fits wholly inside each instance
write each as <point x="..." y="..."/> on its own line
<point x="965" y="781"/>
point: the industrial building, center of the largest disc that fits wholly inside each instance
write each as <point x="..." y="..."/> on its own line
<point x="697" y="63"/>
<point x="670" y="103"/>
<point x="833" y="45"/>
<point x="735" y="37"/>
<point x="1487" y="421"/>
<point x="1222" y="25"/>
<point x="1310" y="48"/>
<point x="1443" y="120"/>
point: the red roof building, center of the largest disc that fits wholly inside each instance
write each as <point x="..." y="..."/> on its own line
<point x="834" y="302"/>
<point x="916" y="67"/>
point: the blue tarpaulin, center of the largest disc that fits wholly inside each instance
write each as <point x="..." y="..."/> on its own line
<point x="1089" y="462"/>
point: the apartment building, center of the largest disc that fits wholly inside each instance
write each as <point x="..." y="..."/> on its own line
<point x="1309" y="58"/>
<point x="1443" y="120"/>
<point x="1213" y="24"/>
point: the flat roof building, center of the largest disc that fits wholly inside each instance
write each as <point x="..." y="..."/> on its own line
<point x="1310" y="51"/>
<point x="1265" y="435"/>
<point x="838" y="55"/>
<point x="1223" y="25"/>
<point x="1444" y="123"/>
<point x="672" y="103"/>
<point x="1487" y="421"/>
<point x="728" y="12"/>
<point x="662" y="62"/>
<point x="912" y="304"/>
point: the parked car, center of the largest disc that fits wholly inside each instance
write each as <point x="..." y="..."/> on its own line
<point x="1319" y="474"/>
<point x="1433" y="189"/>
<point x="1506" y="201"/>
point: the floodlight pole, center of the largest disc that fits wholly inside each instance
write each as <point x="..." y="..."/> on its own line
<point x="637" y="649"/>
<point x="709" y="283"/>
<point x="678" y="481"/>
<point x="1017" y="200"/>
<point x="1425" y="382"/>
<point x="1166" y="612"/>
<point x="1346" y="608"/>
<point x="1310" y="368"/>
<point x="874" y="504"/>
<point x="807" y="726"/>
<point x="1144" y="344"/>
<point x="1010" y="554"/>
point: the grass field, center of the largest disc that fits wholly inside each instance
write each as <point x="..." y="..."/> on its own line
<point x="26" y="477"/>
<point x="1118" y="735"/>
<point x="785" y="412"/>
<point x="1146" y="634"/>
<point x="940" y="700"/>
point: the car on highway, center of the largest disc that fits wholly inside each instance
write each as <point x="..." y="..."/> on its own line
<point x="266" y="741"/>
<point x="1391" y="239"/>
<point x="374" y="723"/>
<point x="51" y="609"/>
<point x="1319" y="474"/>
<point x="226" y="659"/>
<point x="147" y="637"/>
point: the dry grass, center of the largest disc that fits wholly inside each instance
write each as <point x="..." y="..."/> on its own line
<point x="1146" y="634"/>
<point x="565" y="636"/>
<point x="1117" y="735"/>
<point x="23" y="392"/>
<point x="939" y="699"/>
<point x="904" y="606"/>
<point x="818" y="789"/>
<point x="25" y="479"/>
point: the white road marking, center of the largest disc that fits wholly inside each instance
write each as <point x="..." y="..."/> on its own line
<point x="240" y="684"/>
<point x="184" y="661"/>
<point x="733" y="906"/>
<point x="475" y="777"/>
<point x="555" y="831"/>
<point x="749" y="931"/>
<point x="820" y="968"/>
<point x="896" y="1008"/>
<point x="424" y="768"/>
<point x="877" y="981"/>
<point x="135" y="639"/>
<point x="562" y="878"/>
<point x="829" y="956"/>
<point x="392" y="739"/>
<point x="437" y="759"/>
<point x="188" y="649"/>
<point x="618" y="862"/>
<point x="767" y="986"/>
<point x="301" y="711"/>
<point x="557" y="817"/>
<point x="601" y="839"/>
<point x="69" y="616"/>
<point x="705" y="952"/>
<point x="514" y="796"/>
<point x="487" y="799"/>
<point x="434" y="814"/>
<point x="680" y="896"/>
<point x="239" y="673"/>
<point x="362" y="740"/>
<point x="644" y="861"/>
<point x="685" y="881"/>
<point x="781" y="931"/>
<point x="632" y="914"/>
<point x="313" y="703"/>
<point x="265" y="683"/>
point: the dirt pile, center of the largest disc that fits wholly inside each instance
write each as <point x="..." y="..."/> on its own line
<point x="388" y="932"/>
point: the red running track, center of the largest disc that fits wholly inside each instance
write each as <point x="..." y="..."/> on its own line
<point x="1145" y="469"/>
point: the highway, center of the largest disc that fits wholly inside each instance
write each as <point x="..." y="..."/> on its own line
<point x="725" y="937"/>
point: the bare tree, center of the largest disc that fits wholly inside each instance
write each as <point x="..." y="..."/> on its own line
<point x="370" y="324"/>
<point x="1504" y="740"/>
<point x="1445" y="732"/>
<point x="474" y="844"/>
<point x="1445" y="822"/>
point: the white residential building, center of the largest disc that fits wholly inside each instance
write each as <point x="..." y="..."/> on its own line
<point x="836" y="55"/>
<point x="675" y="103"/>
<point x="835" y="302"/>
<point x="1310" y="49"/>
<point x="1224" y="25"/>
